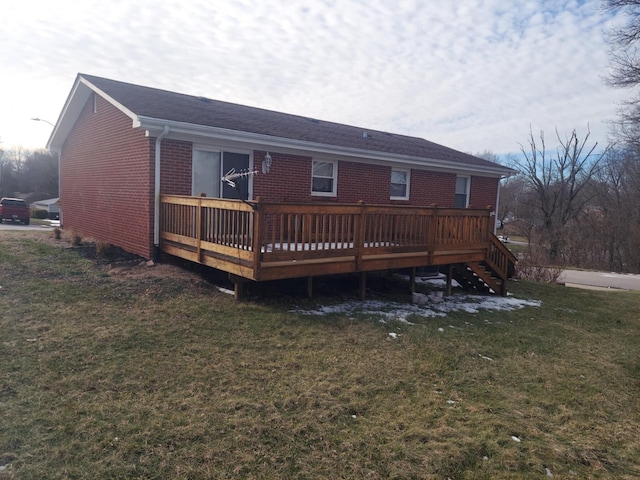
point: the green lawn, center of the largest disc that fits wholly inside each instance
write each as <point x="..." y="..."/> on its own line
<point x="154" y="373"/>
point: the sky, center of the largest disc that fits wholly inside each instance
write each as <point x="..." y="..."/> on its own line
<point x="474" y="75"/>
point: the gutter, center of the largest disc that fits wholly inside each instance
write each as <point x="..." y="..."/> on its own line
<point x="156" y="207"/>
<point x="201" y="133"/>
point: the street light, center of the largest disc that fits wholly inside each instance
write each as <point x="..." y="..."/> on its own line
<point x="36" y="119"/>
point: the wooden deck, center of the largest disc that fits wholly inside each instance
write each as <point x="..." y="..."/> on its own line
<point x="267" y="241"/>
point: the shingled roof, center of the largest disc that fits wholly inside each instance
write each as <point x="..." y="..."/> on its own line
<point x="204" y="112"/>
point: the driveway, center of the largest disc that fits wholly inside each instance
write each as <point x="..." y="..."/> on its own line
<point x="599" y="280"/>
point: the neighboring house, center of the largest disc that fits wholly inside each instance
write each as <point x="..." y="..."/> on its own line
<point x="121" y="146"/>
<point x="49" y="205"/>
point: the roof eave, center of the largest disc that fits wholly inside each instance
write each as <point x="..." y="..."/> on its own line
<point x="201" y="132"/>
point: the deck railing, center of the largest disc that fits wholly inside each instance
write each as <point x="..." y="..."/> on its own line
<point x="256" y="236"/>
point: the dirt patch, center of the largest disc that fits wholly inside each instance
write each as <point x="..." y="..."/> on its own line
<point x="118" y="262"/>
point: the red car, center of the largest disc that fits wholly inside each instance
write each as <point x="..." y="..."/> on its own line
<point x="14" y="209"/>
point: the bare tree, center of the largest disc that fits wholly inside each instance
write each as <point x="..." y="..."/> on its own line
<point x="619" y="186"/>
<point x="623" y="40"/>
<point x="556" y="184"/>
<point x="625" y="66"/>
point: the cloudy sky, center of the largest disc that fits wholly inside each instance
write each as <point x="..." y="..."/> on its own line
<point x="474" y="75"/>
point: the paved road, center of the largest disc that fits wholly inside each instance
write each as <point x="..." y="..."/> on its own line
<point x="19" y="226"/>
<point x="586" y="279"/>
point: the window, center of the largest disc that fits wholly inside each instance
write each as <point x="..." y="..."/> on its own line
<point x="462" y="192"/>
<point x="209" y="165"/>
<point x="400" y="184"/>
<point x="324" y="177"/>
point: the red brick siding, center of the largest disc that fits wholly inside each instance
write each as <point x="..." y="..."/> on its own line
<point x="175" y="167"/>
<point x="358" y="181"/>
<point x="107" y="179"/>
<point x="484" y="192"/>
<point x="432" y="188"/>
<point x="289" y="180"/>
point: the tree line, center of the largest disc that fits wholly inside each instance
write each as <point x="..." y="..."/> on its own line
<point x="576" y="202"/>
<point x="29" y="174"/>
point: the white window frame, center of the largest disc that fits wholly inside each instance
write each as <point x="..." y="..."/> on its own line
<point x="334" y="178"/>
<point x="407" y="184"/>
<point x="466" y="193"/>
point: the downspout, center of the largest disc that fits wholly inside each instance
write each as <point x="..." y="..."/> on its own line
<point x="60" y="214"/>
<point x="156" y="208"/>
<point x="495" y="218"/>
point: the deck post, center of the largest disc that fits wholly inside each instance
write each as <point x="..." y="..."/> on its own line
<point x="359" y="232"/>
<point x="449" y="279"/>
<point x="433" y="234"/>
<point x="256" y="245"/>
<point x="239" y="286"/>
<point x="412" y="280"/>
<point x="363" y="285"/>
<point x="199" y="228"/>
<point x="309" y="287"/>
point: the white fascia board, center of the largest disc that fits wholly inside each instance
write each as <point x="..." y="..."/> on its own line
<point x="72" y="108"/>
<point x="201" y="133"/>
<point x="110" y="99"/>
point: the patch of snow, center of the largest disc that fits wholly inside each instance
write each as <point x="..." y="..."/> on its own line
<point x="440" y="329"/>
<point x="393" y="335"/>
<point x="549" y="474"/>
<point x="226" y="290"/>
<point x="515" y="439"/>
<point x="386" y="311"/>
<point x="484" y="357"/>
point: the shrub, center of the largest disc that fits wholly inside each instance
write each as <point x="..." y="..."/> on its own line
<point x="76" y="239"/>
<point x="39" y="214"/>
<point x="534" y="266"/>
<point x="103" y="249"/>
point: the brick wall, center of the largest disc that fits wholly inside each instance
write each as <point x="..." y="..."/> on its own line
<point x="289" y="180"/>
<point x="175" y="167"/>
<point x="484" y="192"/>
<point x="357" y="181"/>
<point x="433" y="188"/>
<point x="107" y="178"/>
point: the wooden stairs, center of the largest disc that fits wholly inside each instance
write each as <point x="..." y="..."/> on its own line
<point x="489" y="275"/>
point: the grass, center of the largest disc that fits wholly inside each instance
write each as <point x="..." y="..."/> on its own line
<point x="153" y="373"/>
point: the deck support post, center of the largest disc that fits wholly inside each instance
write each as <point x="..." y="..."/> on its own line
<point x="363" y="285"/>
<point x="239" y="286"/>
<point x="412" y="280"/>
<point x="449" y="279"/>
<point x="309" y="287"/>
